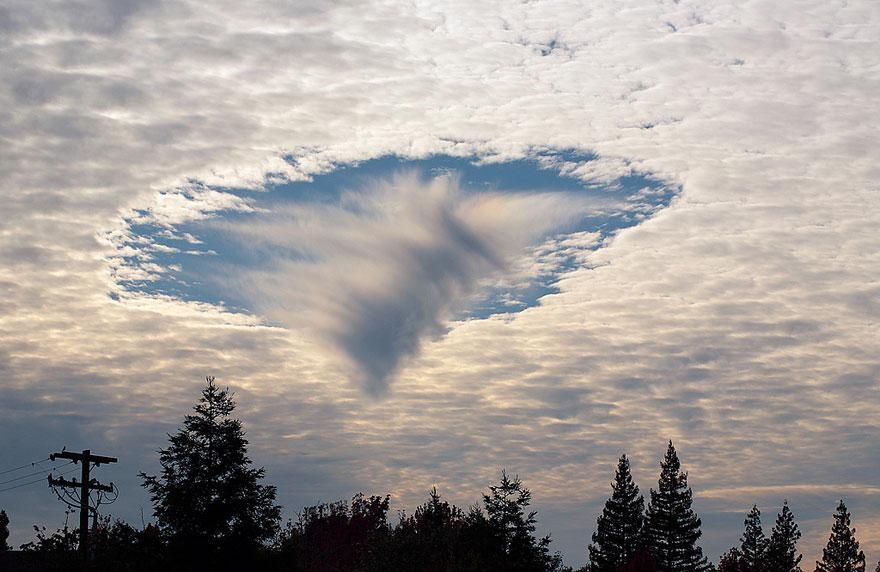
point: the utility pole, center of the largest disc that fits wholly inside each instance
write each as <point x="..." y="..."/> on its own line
<point x="87" y="484"/>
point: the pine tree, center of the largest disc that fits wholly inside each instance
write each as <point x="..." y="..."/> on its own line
<point x="618" y="533"/>
<point x="754" y="543"/>
<point x="4" y="531"/>
<point x="671" y="527"/>
<point x="514" y="528"/>
<point x="731" y="561"/>
<point x="842" y="553"/>
<point x="208" y="496"/>
<point x="782" y="555"/>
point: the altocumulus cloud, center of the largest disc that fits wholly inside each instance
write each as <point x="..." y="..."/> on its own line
<point x="388" y="264"/>
<point x="741" y="321"/>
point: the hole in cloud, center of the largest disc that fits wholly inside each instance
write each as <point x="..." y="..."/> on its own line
<point x="377" y="257"/>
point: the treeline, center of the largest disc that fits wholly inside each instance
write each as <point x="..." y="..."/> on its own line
<point x="213" y="511"/>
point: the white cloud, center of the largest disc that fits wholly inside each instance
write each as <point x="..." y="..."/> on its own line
<point x="390" y="264"/>
<point x="741" y="321"/>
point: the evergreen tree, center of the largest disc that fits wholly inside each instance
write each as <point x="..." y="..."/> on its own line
<point x="731" y="561"/>
<point x="4" y="531"/>
<point x="782" y="554"/>
<point x="619" y="528"/>
<point x="753" y="542"/>
<point x="842" y="553"/>
<point x="208" y="496"/>
<point x="514" y="528"/>
<point x="430" y="539"/>
<point x="671" y="526"/>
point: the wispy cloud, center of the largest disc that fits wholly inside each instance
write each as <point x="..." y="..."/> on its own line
<point x="386" y="266"/>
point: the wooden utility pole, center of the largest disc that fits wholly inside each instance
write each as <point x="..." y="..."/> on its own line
<point x="87" y="484"/>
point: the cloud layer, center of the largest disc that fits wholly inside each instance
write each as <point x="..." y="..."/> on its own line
<point x="390" y="264"/>
<point x="742" y="321"/>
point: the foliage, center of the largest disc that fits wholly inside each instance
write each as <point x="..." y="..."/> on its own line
<point x="4" y="530"/>
<point x="231" y="533"/>
<point x="782" y="554"/>
<point x="672" y="528"/>
<point x="432" y="538"/>
<point x="732" y="561"/>
<point x="514" y="528"/>
<point x="117" y="545"/>
<point x="337" y="536"/>
<point x="63" y="541"/>
<point x="753" y="542"/>
<point x="842" y="553"/>
<point x="208" y="498"/>
<point x="618" y="533"/>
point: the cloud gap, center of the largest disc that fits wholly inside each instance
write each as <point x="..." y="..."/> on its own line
<point x="376" y="257"/>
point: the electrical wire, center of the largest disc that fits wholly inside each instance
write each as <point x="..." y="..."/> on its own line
<point x="22" y="485"/>
<point x="74" y="503"/>
<point x="35" y="481"/>
<point x="34" y="464"/>
<point x="41" y="472"/>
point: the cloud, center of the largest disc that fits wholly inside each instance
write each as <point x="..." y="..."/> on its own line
<point x="741" y="321"/>
<point x="388" y="265"/>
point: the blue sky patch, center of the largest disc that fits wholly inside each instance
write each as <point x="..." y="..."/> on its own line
<point x="184" y="260"/>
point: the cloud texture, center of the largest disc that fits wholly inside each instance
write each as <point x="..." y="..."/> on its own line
<point x="742" y="321"/>
<point x="386" y="266"/>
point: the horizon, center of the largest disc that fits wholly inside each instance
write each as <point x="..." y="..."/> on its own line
<point x="423" y="242"/>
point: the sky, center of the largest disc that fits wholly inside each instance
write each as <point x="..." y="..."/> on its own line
<point x="425" y="241"/>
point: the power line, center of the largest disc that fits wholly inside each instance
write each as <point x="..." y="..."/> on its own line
<point x="34" y="464"/>
<point x="41" y="472"/>
<point x="40" y="480"/>
<point x="85" y="485"/>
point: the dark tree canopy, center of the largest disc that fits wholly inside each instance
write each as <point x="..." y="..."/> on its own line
<point x="731" y="561"/>
<point x="618" y="533"/>
<point x="514" y="528"/>
<point x="672" y="529"/>
<point x="339" y="536"/>
<point x="4" y="530"/>
<point x="753" y="545"/>
<point x="782" y="553"/>
<point x="208" y="496"/>
<point x="842" y="553"/>
<point x="432" y="538"/>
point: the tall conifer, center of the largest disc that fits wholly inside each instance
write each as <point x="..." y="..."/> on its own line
<point x="754" y="543"/>
<point x="208" y="496"/>
<point x="842" y="553"/>
<point x="672" y="528"/>
<point x="782" y="554"/>
<point x="619" y="528"/>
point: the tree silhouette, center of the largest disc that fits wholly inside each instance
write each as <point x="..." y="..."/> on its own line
<point x="618" y="533"/>
<point x="753" y="542"/>
<point x="505" y="506"/>
<point x="782" y="555"/>
<point x="842" y="553"/>
<point x="731" y="561"/>
<point x="4" y="530"/>
<point x="431" y="538"/>
<point x="672" y="528"/>
<point x="338" y="536"/>
<point x="208" y="497"/>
